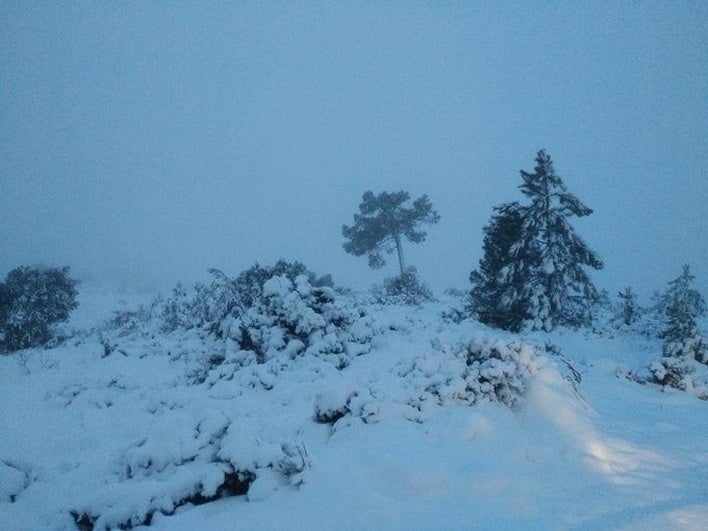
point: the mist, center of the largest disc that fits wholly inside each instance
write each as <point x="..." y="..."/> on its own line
<point x="142" y="143"/>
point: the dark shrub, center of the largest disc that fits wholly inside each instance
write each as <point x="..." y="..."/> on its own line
<point x="31" y="301"/>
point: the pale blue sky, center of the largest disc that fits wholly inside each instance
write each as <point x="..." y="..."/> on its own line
<point x="141" y="141"/>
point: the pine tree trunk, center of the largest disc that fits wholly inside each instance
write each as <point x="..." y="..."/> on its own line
<point x="399" y="248"/>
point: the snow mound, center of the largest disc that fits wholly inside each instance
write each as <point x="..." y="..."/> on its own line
<point x="12" y="481"/>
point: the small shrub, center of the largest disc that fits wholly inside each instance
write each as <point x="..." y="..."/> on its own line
<point x="406" y="288"/>
<point x="31" y="301"/>
<point x="499" y="372"/>
<point x="680" y="373"/>
<point x="341" y="401"/>
<point x="479" y="370"/>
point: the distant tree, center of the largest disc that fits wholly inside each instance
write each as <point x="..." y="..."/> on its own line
<point x="681" y="289"/>
<point x="384" y="220"/>
<point x="31" y="301"/>
<point x="629" y="309"/>
<point x="683" y="347"/>
<point x="681" y="337"/>
<point x="537" y="278"/>
<point x="683" y="305"/>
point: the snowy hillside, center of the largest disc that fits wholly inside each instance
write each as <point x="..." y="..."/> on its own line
<point x="437" y="426"/>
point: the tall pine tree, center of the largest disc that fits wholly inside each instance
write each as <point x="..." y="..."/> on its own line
<point x="542" y="283"/>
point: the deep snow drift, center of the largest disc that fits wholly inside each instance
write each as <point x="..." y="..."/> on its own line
<point x="435" y="425"/>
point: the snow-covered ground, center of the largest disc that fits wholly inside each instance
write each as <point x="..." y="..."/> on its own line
<point x="117" y="429"/>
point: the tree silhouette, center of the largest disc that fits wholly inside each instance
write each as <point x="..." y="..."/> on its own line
<point x="382" y="223"/>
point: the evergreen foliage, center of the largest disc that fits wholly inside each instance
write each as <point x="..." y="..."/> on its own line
<point x="532" y="270"/>
<point x="629" y="310"/>
<point x="489" y="292"/>
<point x="31" y="301"/>
<point x="684" y="304"/>
<point x="683" y="347"/>
<point x="382" y="223"/>
<point x="681" y="290"/>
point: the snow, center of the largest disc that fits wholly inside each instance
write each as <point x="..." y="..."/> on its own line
<point x="404" y="436"/>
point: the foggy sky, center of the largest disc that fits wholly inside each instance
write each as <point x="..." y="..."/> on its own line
<point x="142" y="143"/>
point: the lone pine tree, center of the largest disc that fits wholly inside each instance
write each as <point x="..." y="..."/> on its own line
<point x="382" y="223"/>
<point x="532" y="270"/>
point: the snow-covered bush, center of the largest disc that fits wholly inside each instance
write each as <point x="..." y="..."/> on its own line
<point x="405" y="288"/>
<point x="339" y="402"/>
<point x="479" y="370"/>
<point x="498" y="371"/>
<point x="283" y="309"/>
<point x="204" y="307"/>
<point x="129" y="504"/>
<point x="178" y="462"/>
<point x="685" y="354"/>
<point x="297" y="318"/>
<point x="210" y="304"/>
<point x="681" y="373"/>
<point x="32" y="300"/>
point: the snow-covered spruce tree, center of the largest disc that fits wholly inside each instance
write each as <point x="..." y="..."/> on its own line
<point x="681" y="337"/>
<point x="681" y="289"/>
<point x="683" y="347"/>
<point x="542" y="283"/>
<point x="491" y="289"/>
<point x="384" y="220"/>
<point x="31" y="301"/>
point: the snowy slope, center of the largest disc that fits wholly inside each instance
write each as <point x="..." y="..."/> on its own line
<point x="128" y="428"/>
